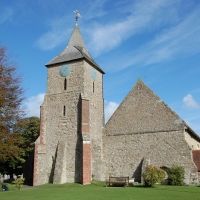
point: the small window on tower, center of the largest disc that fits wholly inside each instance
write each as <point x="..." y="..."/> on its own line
<point x="93" y="87"/>
<point x="64" y="111"/>
<point x="65" y="84"/>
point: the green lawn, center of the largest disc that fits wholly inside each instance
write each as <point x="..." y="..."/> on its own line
<point x="98" y="191"/>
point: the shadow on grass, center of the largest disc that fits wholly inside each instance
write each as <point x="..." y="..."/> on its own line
<point x="143" y="187"/>
<point x="175" y="189"/>
<point x="182" y="189"/>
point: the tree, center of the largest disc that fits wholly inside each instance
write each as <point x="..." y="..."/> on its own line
<point x="153" y="175"/>
<point x="29" y="129"/>
<point x="11" y="97"/>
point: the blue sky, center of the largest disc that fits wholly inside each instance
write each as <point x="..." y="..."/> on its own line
<point x="155" y="40"/>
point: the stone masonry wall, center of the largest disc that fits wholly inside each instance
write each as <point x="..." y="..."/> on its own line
<point x="142" y="111"/>
<point x="123" y="154"/>
<point x="40" y="154"/>
<point x="59" y="127"/>
<point x="96" y="118"/>
<point x="192" y="142"/>
<point x="144" y="127"/>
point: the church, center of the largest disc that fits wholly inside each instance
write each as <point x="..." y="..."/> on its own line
<point x="76" y="146"/>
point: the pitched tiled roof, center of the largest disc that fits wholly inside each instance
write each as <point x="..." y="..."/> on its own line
<point x="196" y="158"/>
<point x="76" y="49"/>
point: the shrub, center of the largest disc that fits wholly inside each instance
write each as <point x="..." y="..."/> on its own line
<point x="153" y="175"/>
<point x="19" y="182"/>
<point x="176" y="175"/>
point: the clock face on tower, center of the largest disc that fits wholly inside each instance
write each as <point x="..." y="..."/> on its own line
<point x="65" y="70"/>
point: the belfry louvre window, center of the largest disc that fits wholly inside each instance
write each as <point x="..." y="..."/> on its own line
<point x="93" y="87"/>
<point x="64" y="111"/>
<point x="65" y="84"/>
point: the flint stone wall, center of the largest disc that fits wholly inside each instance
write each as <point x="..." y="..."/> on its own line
<point x="144" y="127"/>
<point x="142" y="111"/>
<point x="63" y="162"/>
<point x="96" y="116"/>
<point x="124" y="154"/>
<point x="192" y="141"/>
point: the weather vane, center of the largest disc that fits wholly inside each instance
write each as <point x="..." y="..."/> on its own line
<point x="77" y="16"/>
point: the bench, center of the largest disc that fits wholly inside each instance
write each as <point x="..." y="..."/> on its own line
<point x="117" y="181"/>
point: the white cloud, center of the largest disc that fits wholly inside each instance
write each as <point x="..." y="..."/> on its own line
<point x="190" y="103"/>
<point x="5" y="14"/>
<point x="122" y="21"/>
<point x="51" y="39"/>
<point x="54" y="37"/>
<point x="180" y="40"/>
<point x="109" y="109"/>
<point x="142" y="16"/>
<point x="94" y="9"/>
<point x="104" y="38"/>
<point x="32" y="105"/>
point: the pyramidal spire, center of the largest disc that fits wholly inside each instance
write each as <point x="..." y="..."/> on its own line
<point x="76" y="41"/>
<point x="76" y="49"/>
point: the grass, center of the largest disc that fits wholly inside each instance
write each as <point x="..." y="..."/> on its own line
<point x="98" y="191"/>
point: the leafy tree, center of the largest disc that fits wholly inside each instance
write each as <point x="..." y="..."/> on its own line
<point x="11" y="97"/>
<point x="176" y="175"/>
<point x="153" y="175"/>
<point x="29" y="129"/>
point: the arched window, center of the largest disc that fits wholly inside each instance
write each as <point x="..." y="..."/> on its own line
<point x="64" y="111"/>
<point x="65" y="84"/>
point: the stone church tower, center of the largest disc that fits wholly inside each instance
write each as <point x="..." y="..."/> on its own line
<point x="69" y="148"/>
